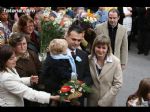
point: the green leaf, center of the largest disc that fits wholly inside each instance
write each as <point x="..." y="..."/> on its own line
<point x="49" y="32"/>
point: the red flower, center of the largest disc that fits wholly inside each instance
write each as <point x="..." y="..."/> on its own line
<point x="65" y="89"/>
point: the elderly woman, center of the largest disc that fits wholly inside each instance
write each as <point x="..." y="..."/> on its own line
<point x="106" y="73"/>
<point x="27" y="63"/>
<point x="13" y="88"/>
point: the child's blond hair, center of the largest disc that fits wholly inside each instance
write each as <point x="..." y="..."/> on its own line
<point x="58" y="46"/>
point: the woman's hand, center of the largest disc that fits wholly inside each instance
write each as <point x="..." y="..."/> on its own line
<point x="34" y="79"/>
<point x="56" y="98"/>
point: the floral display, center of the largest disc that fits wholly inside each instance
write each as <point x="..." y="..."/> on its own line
<point x="50" y="30"/>
<point x="91" y="17"/>
<point x="73" y="89"/>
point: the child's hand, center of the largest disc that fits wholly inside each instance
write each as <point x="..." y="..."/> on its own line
<point x="34" y="79"/>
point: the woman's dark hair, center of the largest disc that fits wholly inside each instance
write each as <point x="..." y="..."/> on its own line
<point x="6" y="52"/>
<point x="16" y="37"/>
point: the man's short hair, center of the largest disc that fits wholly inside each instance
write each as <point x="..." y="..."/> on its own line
<point x="114" y="10"/>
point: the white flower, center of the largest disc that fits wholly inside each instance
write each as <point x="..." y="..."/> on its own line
<point x="78" y="59"/>
<point x="72" y="81"/>
<point x="72" y="90"/>
<point x="66" y="94"/>
<point x="80" y="89"/>
<point x="76" y="86"/>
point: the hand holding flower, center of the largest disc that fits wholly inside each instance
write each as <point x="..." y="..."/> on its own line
<point x="56" y="98"/>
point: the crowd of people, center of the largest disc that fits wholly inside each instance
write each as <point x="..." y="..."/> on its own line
<point x="93" y="49"/>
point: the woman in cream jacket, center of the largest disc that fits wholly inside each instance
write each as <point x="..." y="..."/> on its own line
<point x="106" y="73"/>
<point x="13" y="88"/>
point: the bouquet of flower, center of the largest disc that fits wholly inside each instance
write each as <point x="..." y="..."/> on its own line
<point x="50" y="30"/>
<point x="90" y="17"/>
<point x="73" y="89"/>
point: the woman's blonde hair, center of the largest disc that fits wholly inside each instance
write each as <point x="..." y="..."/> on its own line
<point x="101" y="40"/>
<point x="58" y="46"/>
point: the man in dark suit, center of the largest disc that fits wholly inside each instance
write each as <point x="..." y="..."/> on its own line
<point x="74" y="37"/>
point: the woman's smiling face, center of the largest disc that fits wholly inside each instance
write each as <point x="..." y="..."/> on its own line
<point x="101" y="50"/>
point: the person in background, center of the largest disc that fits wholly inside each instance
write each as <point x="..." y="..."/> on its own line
<point x="103" y="14"/>
<point x="2" y="35"/>
<point x="65" y="22"/>
<point x="143" y="24"/>
<point x="80" y="12"/>
<point x="52" y="16"/>
<point x="6" y="21"/>
<point x="106" y="73"/>
<point x="26" y="26"/>
<point x="37" y="21"/>
<point x="127" y="22"/>
<point x="141" y="98"/>
<point x="70" y="12"/>
<point x="13" y="88"/>
<point x="117" y="34"/>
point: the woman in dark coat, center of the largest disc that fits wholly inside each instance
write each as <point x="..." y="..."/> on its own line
<point x="27" y="63"/>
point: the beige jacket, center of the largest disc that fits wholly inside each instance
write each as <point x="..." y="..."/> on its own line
<point x="107" y="84"/>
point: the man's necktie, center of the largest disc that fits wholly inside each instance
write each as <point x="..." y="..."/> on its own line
<point x="73" y="54"/>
